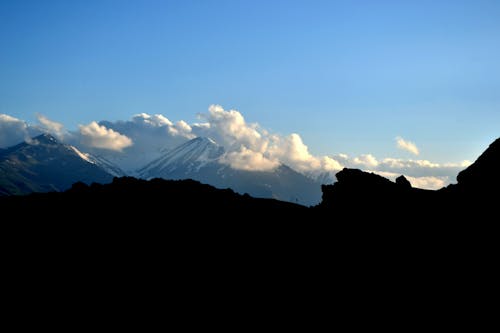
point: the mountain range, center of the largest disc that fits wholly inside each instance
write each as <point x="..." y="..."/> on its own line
<point x="356" y="194"/>
<point x="44" y="168"/>
<point x="44" y="164"/>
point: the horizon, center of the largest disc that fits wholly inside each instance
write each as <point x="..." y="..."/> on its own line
<point x="392" y="86"/>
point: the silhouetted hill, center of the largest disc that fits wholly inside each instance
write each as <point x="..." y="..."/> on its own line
<point x="364" y="196"/>
<point x="484" y="173"/>
<point x="172" y="201"/>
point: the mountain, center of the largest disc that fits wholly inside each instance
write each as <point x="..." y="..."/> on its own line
<point x="199" y="159"/>
<point x="44" y="164"/>
<point x="185" y="160"/>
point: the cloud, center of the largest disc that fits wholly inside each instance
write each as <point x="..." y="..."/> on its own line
<point x="156" y="120"/>
<point x="230" y="129"/>
<point x="14" y="131"/>
<point x="152" y="135"/>
<point x="50" y="126"/>
<point x="98" y="136"/>
<point x="367" y="160"/>
<point x="250" y="147"/>
<point x="407" y="145"/>
<point x="420" y="167"/>
<point x="246" y="159"/>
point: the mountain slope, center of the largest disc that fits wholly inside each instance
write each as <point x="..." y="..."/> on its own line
<point x="199" y="159"/>
<point x="485" y="171"/>
<point x="44" y="165"/>
<point x="187" y="158"/>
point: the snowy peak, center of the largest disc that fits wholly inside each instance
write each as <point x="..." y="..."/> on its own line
<point x="200" y="149"/>
<point x="44" y="164"/>
<point x="191" y="155"/>
<point x="46" y="139"/>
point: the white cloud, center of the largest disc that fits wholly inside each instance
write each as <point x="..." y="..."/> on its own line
<point x="407" y="145"/>
<point x="367" y="160"/>
<point x="246" y="159"/>
<point x="231" y="129"/>
<point x="251" y="147"/>
<point x="156" y="120"/>
<point x="14" y="131"/>
<point x="429" y="182"/>
<point x="152" y="135"/>
<point x="98" y="136"/>
<point x="50" y="126"/>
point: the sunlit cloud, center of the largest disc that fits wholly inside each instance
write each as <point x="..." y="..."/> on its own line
<point x="251" y="147"/>
<point x="407" y="145"/>
<point x="14" y="131"/>
<point x="53" y="127"/>
<point x="98" y="136"/>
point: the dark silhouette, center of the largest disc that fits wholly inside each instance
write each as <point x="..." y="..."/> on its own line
<point x="368" y="234"/>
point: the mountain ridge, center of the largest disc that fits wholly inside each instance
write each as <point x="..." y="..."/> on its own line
<point x="43" y="164"/>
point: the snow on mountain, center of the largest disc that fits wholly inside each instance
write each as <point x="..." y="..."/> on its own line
<point x="44" y="164"/>
<point x="84" y="156"/>
<point x="100" y="161"/>
<point x="188" y="157"/>
<point x="200" y="159"/>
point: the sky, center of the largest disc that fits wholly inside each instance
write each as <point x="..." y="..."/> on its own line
<point x="349" y="77"/>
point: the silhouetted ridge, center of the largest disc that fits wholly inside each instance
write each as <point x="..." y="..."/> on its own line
<point x="485" y="171"/>
<point x="357" y="190"/>
<point x="157" y="200"/>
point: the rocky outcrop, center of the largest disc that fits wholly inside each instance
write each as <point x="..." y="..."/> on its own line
<point x="403" y="182"/>
<point x="356" y="190"/>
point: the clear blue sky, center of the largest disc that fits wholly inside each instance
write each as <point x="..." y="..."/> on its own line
<point x="348" y="76"/>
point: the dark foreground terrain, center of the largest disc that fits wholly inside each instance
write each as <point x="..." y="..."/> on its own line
<point x="357" y="197"/>
<point x="371" y="245"/>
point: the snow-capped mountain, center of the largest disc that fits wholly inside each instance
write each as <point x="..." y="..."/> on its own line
<point x="200" y="159"/>
<point x="188" y="158"/>
<point x="100" y="161"/>
<point x="44" y="164"/>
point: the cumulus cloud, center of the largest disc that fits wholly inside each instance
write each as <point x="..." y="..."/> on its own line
<point x="12" y="130"/>
<point x="156" y="120"/>
<point x="50" y="126"/>
<point x="407" y="145"/>
<point x="98" y="136"/>
<point x="246" y="159"/>
<point x="250" y="147"/>
<point x="367" y="160"/>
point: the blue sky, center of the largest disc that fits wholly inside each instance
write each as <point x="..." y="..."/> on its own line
<point x="348" y="76"/>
